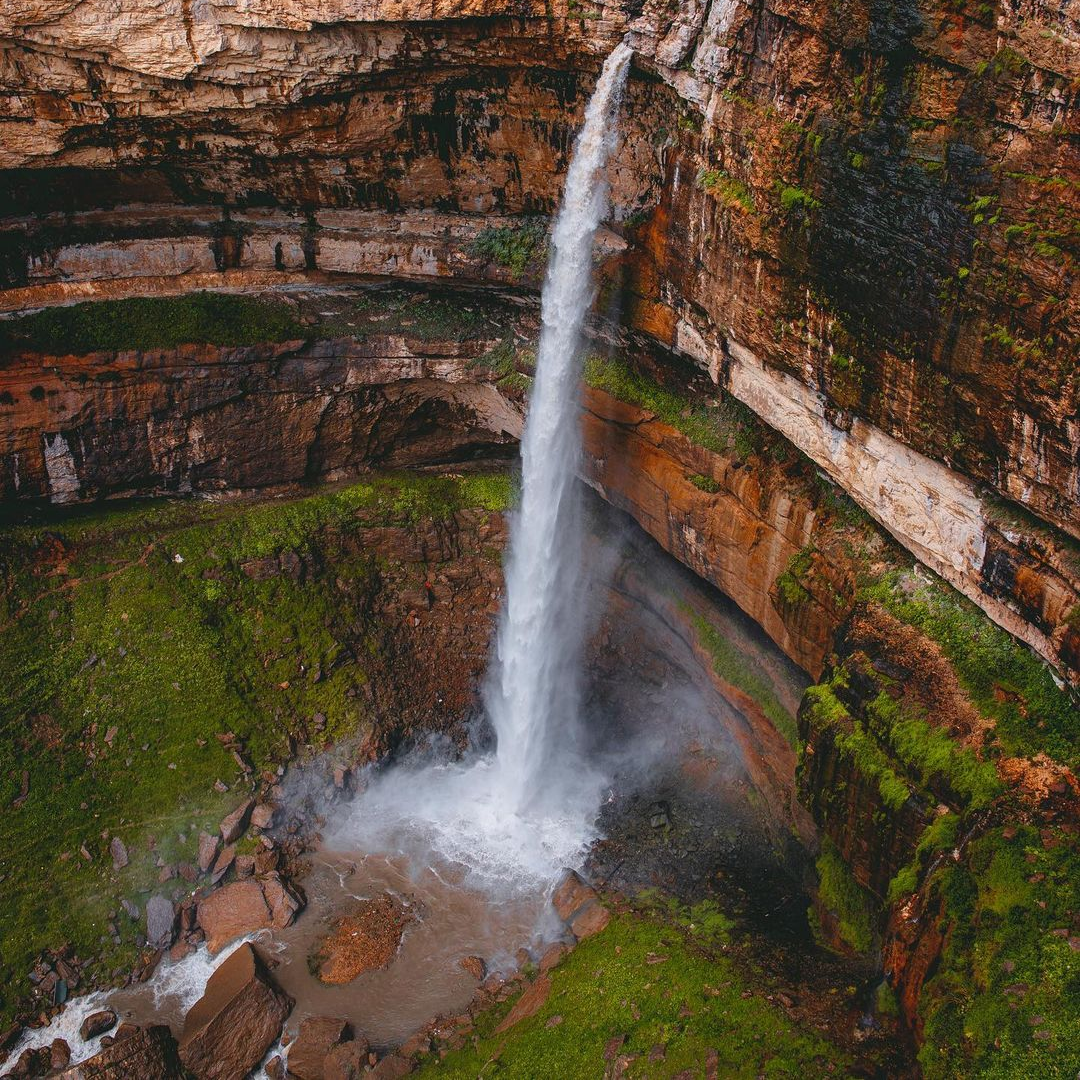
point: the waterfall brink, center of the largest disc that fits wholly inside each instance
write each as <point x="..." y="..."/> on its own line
<point x="508" y="821"/>
<point x="533" y="692"/>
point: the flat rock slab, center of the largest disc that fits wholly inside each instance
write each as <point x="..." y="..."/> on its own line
<point x="149" y="1052"/>
<point x="228" y="1031"/>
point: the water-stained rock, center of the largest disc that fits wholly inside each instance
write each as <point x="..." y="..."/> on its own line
<point x="317" y="1037"/>
<point x="229" y="1029"/>
<point x="148" y="1053"/>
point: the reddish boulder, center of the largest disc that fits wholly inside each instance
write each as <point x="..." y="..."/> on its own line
<point x="347" y="1060"/>
<point x="231" y="912"/>
<point x="228" y="1031"/>
<point x="578" y="905"/>
<point x="318" y="1036"/>
<point x="529" y="1004"/>
<point x="475" y="966"/>
<point x="233" y="826"/>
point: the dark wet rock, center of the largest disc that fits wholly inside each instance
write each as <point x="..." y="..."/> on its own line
<point x="148" y="1054"/>
<point x="318" y="1036"/>
<point x="347" y="1060"/>
<point x="97" y="1023"/>
<point x="208" y="849"/>
<point x="553" y="954"/>
<point x="233" y="826"/>
<point x="392" y="1067"/>
<point x="59" y="1054"/>
<point x="33" y="1062"/>
<point x="239" y="1017"/>
<point x="119" y="853"/>
<point x="475" y="966"/>
<point x="160" y="922"/>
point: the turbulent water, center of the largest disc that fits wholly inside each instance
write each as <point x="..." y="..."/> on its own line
<point x="515" y="817"/>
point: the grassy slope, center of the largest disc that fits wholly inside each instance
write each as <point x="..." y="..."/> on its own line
<point x="691" y="1002"/>
<point x="112" y="630"/>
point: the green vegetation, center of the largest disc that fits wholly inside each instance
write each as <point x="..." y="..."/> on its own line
<point x="938" y="836"/>
<point x="1002" y="1002"/>
<point x="231" y="320"/>
<point x="704" y="483"/>
<point x="933" y="753"/>
<point x="842" y="896"/>
<point x="727" y="189"/>
<point x="1004" y="680"/>
<point x="516" y="247"/>
<point x="790" y="583"/>
<point x="741" y="670"/>
<point x="727" y="426"/>
<point x="653" y="982"/>
<point x="129" y="640"/>
<point x="795" y="200"/>
<point x="152" y="323"/>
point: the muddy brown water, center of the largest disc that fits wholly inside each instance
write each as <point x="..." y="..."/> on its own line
<point x="425" y="979"/>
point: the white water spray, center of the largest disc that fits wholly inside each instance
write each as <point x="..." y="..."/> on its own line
<point x="510" y="821"/>
<point x="534" y="695"/>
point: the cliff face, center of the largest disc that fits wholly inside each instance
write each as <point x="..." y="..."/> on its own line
<point x="852" y="224"/>
<point x="859" y="220"/>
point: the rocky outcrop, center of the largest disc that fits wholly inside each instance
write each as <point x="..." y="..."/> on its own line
<point x="146" y="1052"/>
<point x="229" y="1029"/>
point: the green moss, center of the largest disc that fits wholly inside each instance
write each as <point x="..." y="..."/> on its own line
<point x="516" y="247"/>
<point x="940" y="835"/>
<point x="152" y="323"/>
<point x="694" y="1001"/>
<point x="790" y="583"/>
<point x="724" y="427"/>
<point x="933" y="753"/>
<point x="704" y="483"/>
<point x="1004" y="680"/>
<point x="742" y="671"/>
<point x="1003" y="1001"/>
<point x="796" y="200"/>
<point x="842" y="896"/>
<point x="727" y="189"/>
<point x="143" y="619"/>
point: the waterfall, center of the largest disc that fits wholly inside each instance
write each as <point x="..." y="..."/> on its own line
<point x="507" y="822"/>
<point x="533" y="691"/>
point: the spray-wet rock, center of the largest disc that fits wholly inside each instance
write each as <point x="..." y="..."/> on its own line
<point x="239" y="1017"/>
<point x="317" y="1037"/>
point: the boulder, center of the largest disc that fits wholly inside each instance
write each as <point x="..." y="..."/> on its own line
<point x="475" y="966"/>
<point x="347" y="1060"/>
<point x="119" y="853"/>
<point x="150" y="1052"/>
<point x="32" y="1062"/>
<point x="529" y="1004"/>
<point x="233" y="826"/>
<point x="283" y="900"/>
<point x="228" y="1031"/>
<point x="59" y="1054"/>
<point x="222" y="863"/>
<point x="262" y="817"/>
<point x="97" y="1023"/>
<point x="160" y="922"/>
<point x="318" y="1036"/>
<point x="208" y="849"/>
<point x="578" y="904"/>
<point x="231" y="912"/>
